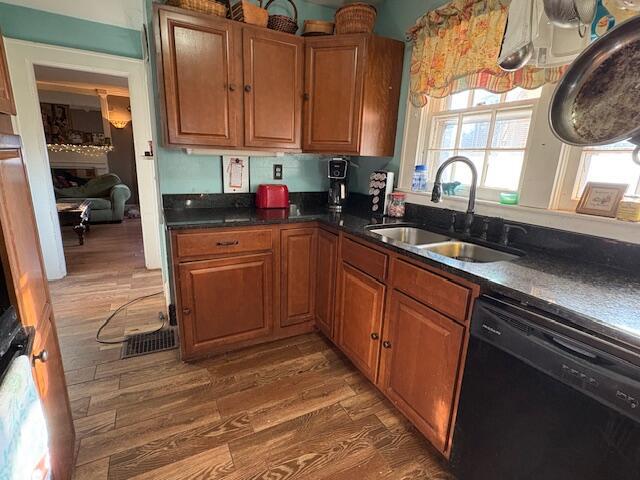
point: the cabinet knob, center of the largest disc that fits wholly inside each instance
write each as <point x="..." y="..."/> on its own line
<point x="375" y="336"/>
<point x="247" y="88"/>
<point x="386" y="344"/>
<point x="43" y="356"/>
<point x="306" y="96"/>
<point x="186" y="311"/>
<point x="232" y="87"/>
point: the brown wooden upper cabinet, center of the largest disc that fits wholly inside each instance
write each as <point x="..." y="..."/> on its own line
<point x="352" y="90"/>
<point x="273" y="72"/>
<point x="227" y="84"/>
<point x="6" y="94"/>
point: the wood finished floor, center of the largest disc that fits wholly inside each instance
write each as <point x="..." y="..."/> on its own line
<point x="292" y="409"/>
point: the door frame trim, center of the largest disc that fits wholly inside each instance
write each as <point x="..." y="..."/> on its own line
<point x="22" y="56"/>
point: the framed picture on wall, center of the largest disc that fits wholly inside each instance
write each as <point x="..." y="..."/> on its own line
<point x="601" y="199"/>
<point x="235" y="174"/>
<point x="56" y="122"/>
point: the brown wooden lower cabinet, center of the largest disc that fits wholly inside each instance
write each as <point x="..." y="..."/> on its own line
<point x="49" y="376"/>
<point x="298" y="247"/>
<point x="359" y="311"/>
<point x="226" y="301"/>
<point x="326" y="261"/>
<point x="419" y="365"/>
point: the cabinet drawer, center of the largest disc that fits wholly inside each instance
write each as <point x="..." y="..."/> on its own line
<point x="366" y="259"/>
<point x="222" y="242"/>
<point x="431" y="289"/>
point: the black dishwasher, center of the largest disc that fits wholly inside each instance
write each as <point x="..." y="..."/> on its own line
<point x="542" y="400"/>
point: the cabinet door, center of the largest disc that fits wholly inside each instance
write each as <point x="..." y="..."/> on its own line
<point x="298" y="249"/>
<point x="201" y="68"/>
<point x="326" y="281"/>
<point x="273" y="69"/>
<point x="420" y="365"/>
<point x="226" y="301"/>
<point x="21" y="240"/>
<point x="333" y="92"/>
<point x="49" y="377"/>
<point x="6" y="94"/>
<point x="359" y="318"/>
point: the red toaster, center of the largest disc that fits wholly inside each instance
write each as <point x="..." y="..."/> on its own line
<point x="272" y="196"/>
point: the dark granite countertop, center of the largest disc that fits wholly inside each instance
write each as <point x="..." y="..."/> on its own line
<point x="595" y="298"/>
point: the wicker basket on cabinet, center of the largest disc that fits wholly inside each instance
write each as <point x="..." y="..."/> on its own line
<point x="283" y="23"/>
<point x="356" y="18"/>
<point x="247" y="12"/>
<point x="203" y="6"/>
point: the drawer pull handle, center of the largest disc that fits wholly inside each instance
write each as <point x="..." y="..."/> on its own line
<point x="386" y="344"/>
<point x="186" y="311"/>
<point x="228" y="244"/>
<point x="375" y="336"/>
<point x="43" y="356"/>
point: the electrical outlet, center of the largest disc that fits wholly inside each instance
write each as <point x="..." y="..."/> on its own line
<point x="277" y="172"/>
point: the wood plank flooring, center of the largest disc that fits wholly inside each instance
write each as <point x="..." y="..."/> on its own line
<point x="291" y="409"/>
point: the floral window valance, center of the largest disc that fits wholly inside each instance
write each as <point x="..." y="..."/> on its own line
<point x="456" y="48"/>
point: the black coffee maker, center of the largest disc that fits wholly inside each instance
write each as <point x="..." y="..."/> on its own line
<point x="338" y="169"/>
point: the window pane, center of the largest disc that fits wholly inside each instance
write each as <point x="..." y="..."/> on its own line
<point x="475" y="131"/>
<point x="461" y="172"/>
<point x="459" y="100"/>
<point x="435" y="159"/>
<point x="511" y="129"/>
<point x="444" y="132"/>
<point x="610" y="167"/>
<point x="482" y="97"/>
<point x="624" y="145"/>
<point x="521" y="94"/>
<point x="503" y="170"/>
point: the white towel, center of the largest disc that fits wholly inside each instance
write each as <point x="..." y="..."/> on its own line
<point x="24" y="451"/>
<point x="518" y="32"/>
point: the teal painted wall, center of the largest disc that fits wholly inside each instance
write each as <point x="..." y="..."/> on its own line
<point x="43" y="27"/>
<point x="182" y="173"/>
<point x="393" y="21"/>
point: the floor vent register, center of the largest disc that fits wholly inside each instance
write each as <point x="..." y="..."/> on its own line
<point x="152" y="342"/>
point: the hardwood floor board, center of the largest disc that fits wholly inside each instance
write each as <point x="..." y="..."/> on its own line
<point x="122" y="439"/>
<point x="80" y="375"/>
<point x="80" y="407"/>
<point x="157" y="372"/>
<point x="254" y="361"/>
<point x="305" y="402"/>
<point x="148" y="391"/>
<point x="269" y="442"/>
<point x="182" y="445"/>
<point x="319" y="344"/>
<point x="91" y="425"/>
<point x="93" y="388"/>
<point x="211" y="465"/>
<point x="370" y="466"/>
<point x="98" y="470"/>
<point x="134" y="364"/>
<point x="137" y="412"/>
<point x="96" y="358"/>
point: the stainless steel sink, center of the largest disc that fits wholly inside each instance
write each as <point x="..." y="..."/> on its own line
<point x="468" y="252"/>
<point x="410" y="235"/>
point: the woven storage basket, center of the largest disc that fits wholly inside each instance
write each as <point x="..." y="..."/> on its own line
<point x="283" y="23"/>
<point x="247" y="12"/>
<point x="356" y="18"/>
<point x="204" y="6"/>
<point x="317" y="27"/>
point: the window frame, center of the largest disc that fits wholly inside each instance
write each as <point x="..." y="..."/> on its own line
<point x="436" y="111"/>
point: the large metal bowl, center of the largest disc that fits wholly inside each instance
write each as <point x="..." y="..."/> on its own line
<point x="561" y="111"/>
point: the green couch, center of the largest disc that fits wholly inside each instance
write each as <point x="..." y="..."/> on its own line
<point x="107" y="194"/>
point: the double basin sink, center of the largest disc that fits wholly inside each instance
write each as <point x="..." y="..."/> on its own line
<point x="443" y="245"/>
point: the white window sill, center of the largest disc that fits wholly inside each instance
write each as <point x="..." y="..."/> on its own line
<point x="561" y="220"/>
